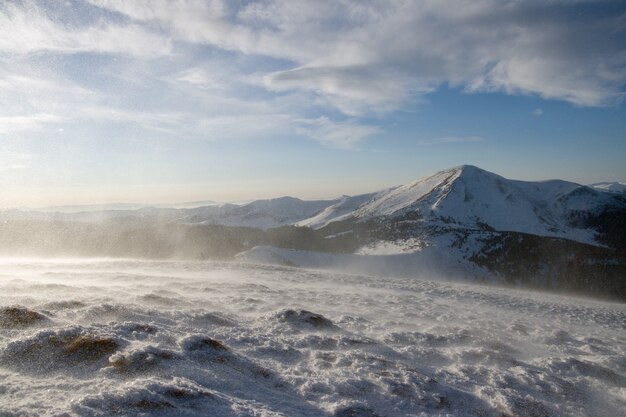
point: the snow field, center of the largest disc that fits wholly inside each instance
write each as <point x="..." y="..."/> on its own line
<point x="102" y="337"/>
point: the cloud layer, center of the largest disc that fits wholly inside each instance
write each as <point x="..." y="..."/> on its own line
<point x="380" y="52"/>
<point x="316" y="69"/>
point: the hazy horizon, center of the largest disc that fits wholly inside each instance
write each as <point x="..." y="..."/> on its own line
<point x="135" y="203"/>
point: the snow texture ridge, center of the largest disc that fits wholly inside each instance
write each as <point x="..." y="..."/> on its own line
<point x="155" y="339"/>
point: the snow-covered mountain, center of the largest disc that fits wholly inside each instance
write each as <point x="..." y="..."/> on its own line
<point x="342" y="209"/>
<point x="261" y="214"/>
<point x="468" y="223"/>
<point x="471" y="198"/>
<point x="613" y="187"/>
<point x="462" y="222"/>
<point x="464" y="197"/>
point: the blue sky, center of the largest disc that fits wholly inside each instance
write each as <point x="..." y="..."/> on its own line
<point x="168" y="101"/>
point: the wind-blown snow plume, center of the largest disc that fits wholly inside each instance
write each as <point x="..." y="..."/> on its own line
<point x="101" y="338"/>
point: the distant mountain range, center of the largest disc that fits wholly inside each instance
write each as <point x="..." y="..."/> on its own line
<point x="463" y="222"/>
<point x="82" y="208"/>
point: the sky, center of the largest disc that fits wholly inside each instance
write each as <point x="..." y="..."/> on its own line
<point x="159" y="101"/>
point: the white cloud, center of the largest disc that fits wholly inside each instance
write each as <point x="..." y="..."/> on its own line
<point x="197" y="77"/>
<point x="285" y="66"/>
<point x="371" y="55"/>
<point x="215" y="75"/>
<point x="36" y="99"/>
<point x="11" y="160"/>
<point x="338" y="134"/>
<point x="11" y="124"/>
<point x="32" y="98"/>
<point x="538" y="112"/>
<point x="27" y="30"/>
<point x="353" y="90"/>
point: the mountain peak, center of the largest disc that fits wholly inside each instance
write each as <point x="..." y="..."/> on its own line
<point x="469" y="197"/>
<point x="470" y="171"/>
<point x="467" y="168"/>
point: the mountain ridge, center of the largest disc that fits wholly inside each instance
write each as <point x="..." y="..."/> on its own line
<point x="464" y="223"/>
<point x="469" y="197"/>
<point x="464" y="196"/>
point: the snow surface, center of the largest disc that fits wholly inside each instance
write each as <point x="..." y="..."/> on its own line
<point x="103" y="338"/>
<point x="409" y="258"/>
<point x="614" y="187"/>
<point x="260" y="214"/>
<point x="341" y="210"/>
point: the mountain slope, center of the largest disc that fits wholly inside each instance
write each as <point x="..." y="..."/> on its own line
<point x="468" y="197"/>
<point x="261" y="214"/>
<point x="343" y="209"/>
<point x="462" y="222"/>
<point x="464" y="197"/>
<point x="552" y="234"/>
<point x="613" y="187"/>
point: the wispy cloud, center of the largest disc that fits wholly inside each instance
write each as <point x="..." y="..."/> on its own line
<point x="378" y="53"/>
<point x="11" y="161"/>
<point x="343" y="134"/>
<point x="25" y="28"/>
<point x="452" y="139"/>
<point x="12" y="124"/>
<point x="327" y="70"/>
<point x="538" y="112"/>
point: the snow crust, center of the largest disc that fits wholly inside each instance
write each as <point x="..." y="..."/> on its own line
<point x="146" y="338"/>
